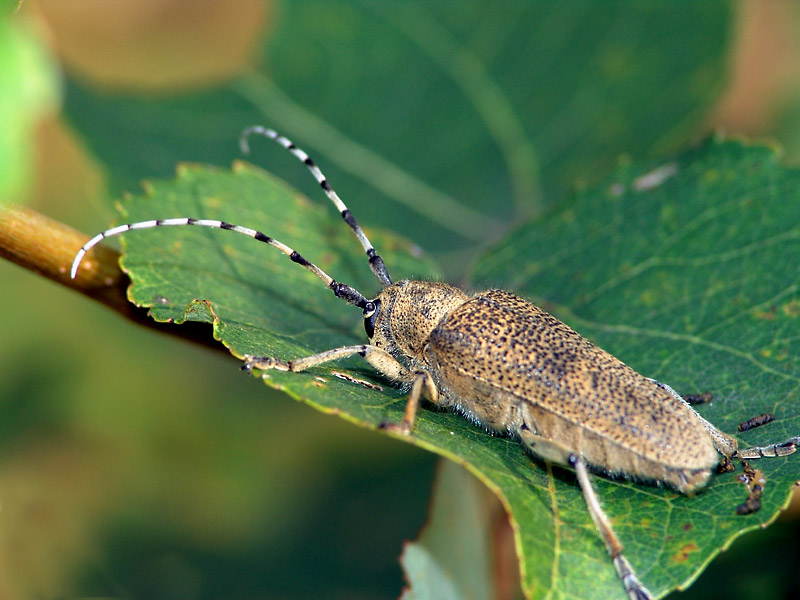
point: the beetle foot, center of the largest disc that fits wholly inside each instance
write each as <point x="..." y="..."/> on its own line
<point x="263" y="363"/>
<point x="403" y="428"/>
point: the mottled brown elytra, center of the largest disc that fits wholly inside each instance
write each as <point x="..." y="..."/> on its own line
<point x="512" y="368"/>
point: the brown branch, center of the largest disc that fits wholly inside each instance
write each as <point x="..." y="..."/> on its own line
<point x="47" y="247"/>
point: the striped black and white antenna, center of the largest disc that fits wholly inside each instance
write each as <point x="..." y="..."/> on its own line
<point x="343" y="291"/>
<point x="375" y="261"/>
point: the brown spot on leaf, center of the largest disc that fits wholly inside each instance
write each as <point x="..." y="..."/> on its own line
<point x="766" y="315"/>
<point x="792" y="308"/>
<point x="684" y="552"/>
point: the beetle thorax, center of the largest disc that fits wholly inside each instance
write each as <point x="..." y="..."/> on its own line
<point x="409" y="312"/>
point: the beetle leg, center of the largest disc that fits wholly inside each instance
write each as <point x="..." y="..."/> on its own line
<point x="556" y="453"/>
<point x="771" y="450"/>
<point x="422" y="380"/>
<point x="378" y="358"/>
<point x="634" y="587"/>
<point x="545" y="449"/>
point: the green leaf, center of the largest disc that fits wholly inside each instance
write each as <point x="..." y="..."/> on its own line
<point x="683" y="268"/>
<point x="465" y="115"/>
<point x="258" y="301"/>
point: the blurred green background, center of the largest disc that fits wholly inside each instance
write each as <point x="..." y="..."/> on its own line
<point x="135" y="465"/>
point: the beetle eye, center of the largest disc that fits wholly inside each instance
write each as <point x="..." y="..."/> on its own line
<point x="370" y="314"/>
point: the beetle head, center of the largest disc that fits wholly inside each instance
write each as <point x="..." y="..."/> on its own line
<point x="405" y="313"/>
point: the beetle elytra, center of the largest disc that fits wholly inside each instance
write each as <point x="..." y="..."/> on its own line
<point x="514" y="369"/>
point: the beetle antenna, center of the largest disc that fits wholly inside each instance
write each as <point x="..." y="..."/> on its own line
<point x="340" y="290"/>
<point x="375" y="261"/>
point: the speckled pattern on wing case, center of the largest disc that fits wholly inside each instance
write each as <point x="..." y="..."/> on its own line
<point x="503" y="361"/>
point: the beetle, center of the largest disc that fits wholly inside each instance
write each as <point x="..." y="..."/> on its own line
<point x="512" y="368"/>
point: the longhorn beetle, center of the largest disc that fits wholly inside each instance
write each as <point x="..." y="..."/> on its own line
<point x="512" y="368"/>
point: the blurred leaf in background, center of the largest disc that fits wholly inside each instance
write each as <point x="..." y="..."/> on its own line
<point x="30" y="87"/>
<point x="516" y="101"/>
<point x="161" y="469"/>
